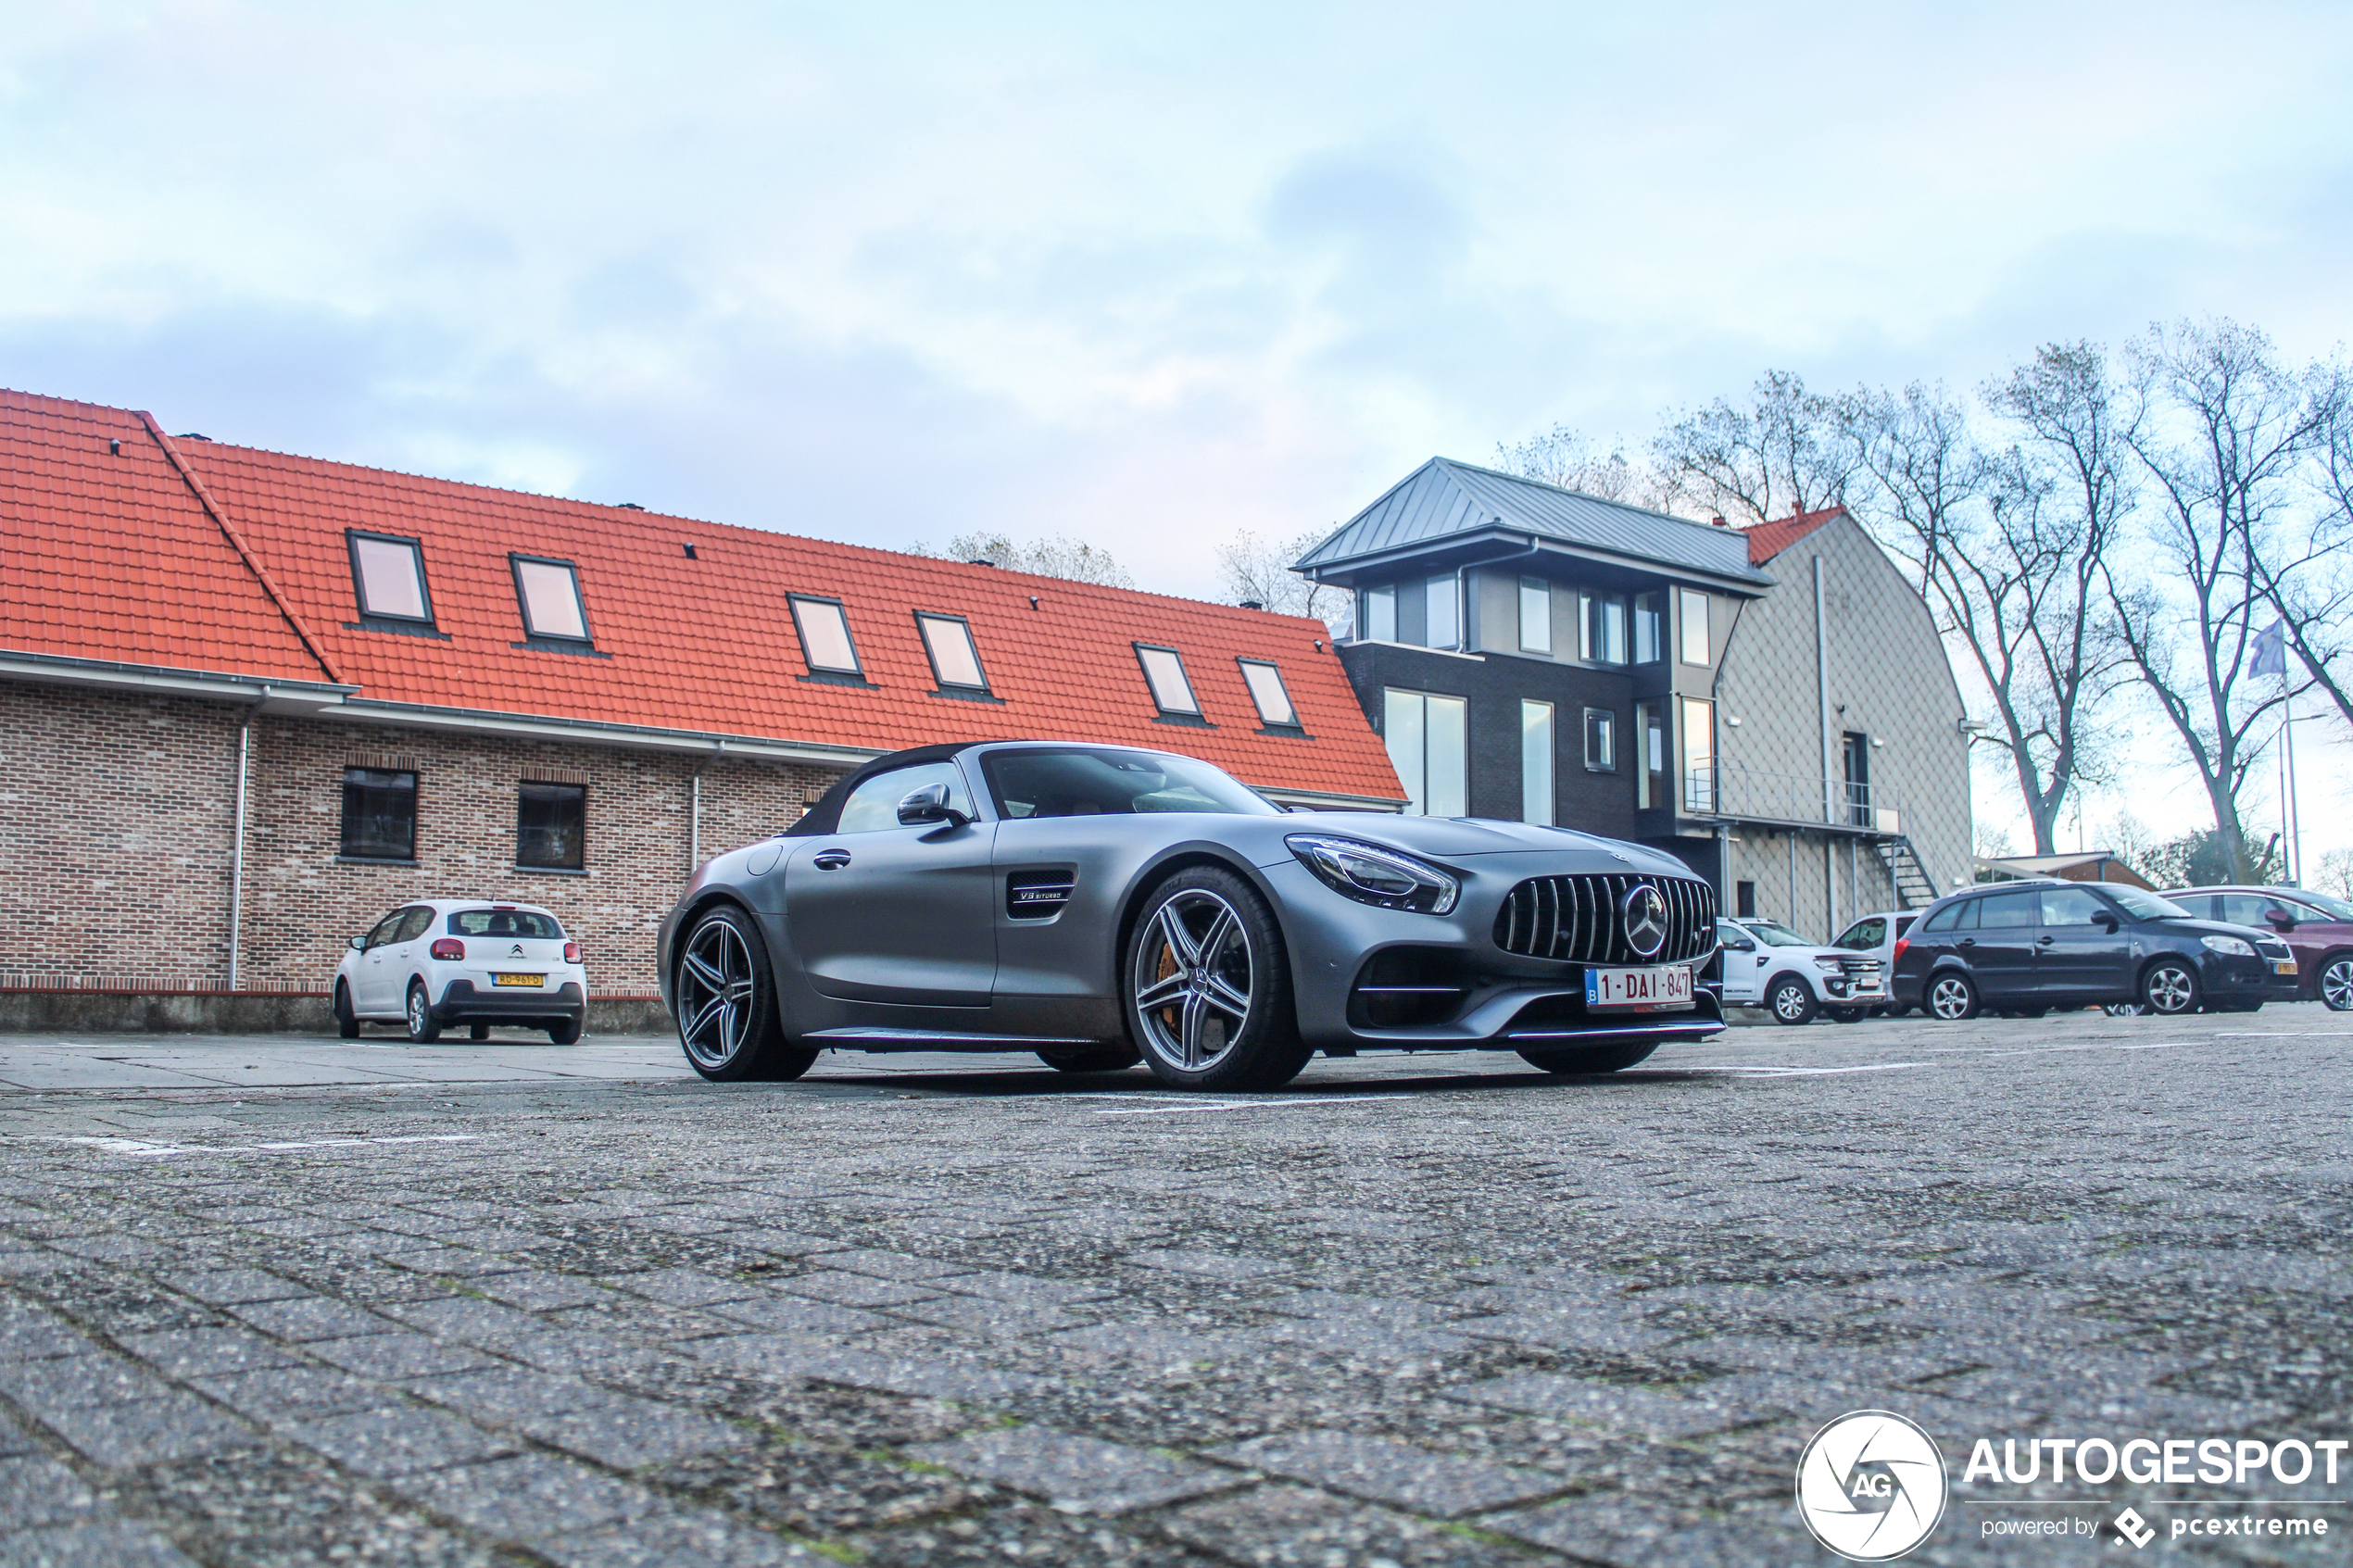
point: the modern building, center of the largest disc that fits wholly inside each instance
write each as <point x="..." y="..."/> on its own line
<point x="1773" y="705"/>
<point x="249" y="702"/>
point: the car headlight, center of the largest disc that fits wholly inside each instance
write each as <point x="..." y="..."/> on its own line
<point x="1371" y="875"/>
<point x="1828" y="964"/>
<point x="2229" y="944"/>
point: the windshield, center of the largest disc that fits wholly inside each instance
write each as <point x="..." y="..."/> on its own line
<point x="1774" y="934"/>
<point x="1087" y="782"/>
<point x="2145" y="906"/>
<point x="2332" y="908"/>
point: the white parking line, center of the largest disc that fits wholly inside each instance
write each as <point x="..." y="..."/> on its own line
<point x="141" y="1146"/>
<point x="1244" y="1105"/>
<point x="2289" y="1034"/>
<point x="1815" y="1072"/>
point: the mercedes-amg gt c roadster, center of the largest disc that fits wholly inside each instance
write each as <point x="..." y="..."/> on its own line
<point x="1098" y="904"/>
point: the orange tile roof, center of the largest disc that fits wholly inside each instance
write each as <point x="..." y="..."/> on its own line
<point x="115" y="558"/>
<point x="1766" y="540"/>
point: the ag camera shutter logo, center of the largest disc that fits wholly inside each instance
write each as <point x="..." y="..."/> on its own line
<point x="1872" y="1485"/>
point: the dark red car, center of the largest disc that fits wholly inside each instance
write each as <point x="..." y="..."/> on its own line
<point x="2319" y="928"/>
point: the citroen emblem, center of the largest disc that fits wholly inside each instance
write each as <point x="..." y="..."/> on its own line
<point x="518" y="952"/>
<point x="1642" y="915"/>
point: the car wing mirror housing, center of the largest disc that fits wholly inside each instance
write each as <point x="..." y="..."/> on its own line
<point x="2282" y="920"/>
<point x="359" y="944"/>
<point x="926" y="805"/>
<point x="2106" y="922"/>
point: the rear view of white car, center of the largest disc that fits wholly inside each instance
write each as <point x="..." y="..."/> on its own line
<point x="1768" y="965"/>
<point x="445" y="961"/>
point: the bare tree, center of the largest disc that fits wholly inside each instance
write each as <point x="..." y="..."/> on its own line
<point x="1258" y="571"/>
<point x="2308" y="583"/>
<point x="1566" y="457"/>
<point x="1788" y="452"/>
<point x="2220" y="431"/>
<point x="1072" y="560"/>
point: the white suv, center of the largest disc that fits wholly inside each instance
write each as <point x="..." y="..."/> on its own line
<point x="1768" y="965"/>
<point x="459" y="961"/>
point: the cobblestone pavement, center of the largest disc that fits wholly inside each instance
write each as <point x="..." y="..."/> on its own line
<point x="1413" y="1311"/>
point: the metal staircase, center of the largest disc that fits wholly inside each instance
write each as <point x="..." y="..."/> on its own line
<point x="1914" y="887"/>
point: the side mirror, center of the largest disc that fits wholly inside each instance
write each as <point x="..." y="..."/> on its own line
<point x="2280" y="920"/>
<point x="1741" y="946"/>
<point x="359" y="944"/>
<point x="928" y="804"/>
<point x="2106" y="920"/>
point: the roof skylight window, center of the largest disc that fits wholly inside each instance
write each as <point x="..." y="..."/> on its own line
<point x="1166" y="671"/>
<point x="824" y="636"/>
<point x="388" y="575"/>
<point x="954" y="662"/>
<point x="549" y="592"/>
<point x="1265" y="683"/>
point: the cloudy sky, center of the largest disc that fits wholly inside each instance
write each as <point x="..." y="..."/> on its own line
<point x="1142" y="275"/>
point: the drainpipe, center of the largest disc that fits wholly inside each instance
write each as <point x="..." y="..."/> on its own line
<point x="1461" y="610"/>
<point x="1829" y="814"/>
<point x="694" y="808"/>
<point x="237" y="839"/>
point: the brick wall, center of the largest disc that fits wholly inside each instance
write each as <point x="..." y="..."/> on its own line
<point x="115" y="839"/>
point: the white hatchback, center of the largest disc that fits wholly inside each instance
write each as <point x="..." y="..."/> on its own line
<point x="460" y="960"/>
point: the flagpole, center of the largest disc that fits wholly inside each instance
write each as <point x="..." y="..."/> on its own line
<point x="2295" y="823"/>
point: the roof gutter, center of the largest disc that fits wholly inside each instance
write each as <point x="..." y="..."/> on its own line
<point x="1753" y="587"/>
<point x="267" y="694"/>
<point x="642" y="737"/>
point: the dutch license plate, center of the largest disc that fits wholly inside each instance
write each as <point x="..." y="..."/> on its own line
<point x="519" y="980"/>
<point x="2283" y="966"/>
<point x="1664" y="989"/>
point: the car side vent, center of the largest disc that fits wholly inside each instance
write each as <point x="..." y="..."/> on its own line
<point x="1405" y="987"/>
<point x="1036" y="894"/>
<point x="1576" y="919"/>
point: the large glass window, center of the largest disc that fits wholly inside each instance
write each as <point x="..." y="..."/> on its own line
<point x="549" y="592"/>
<point x="379" y="814"/>
<point x="1381" y="614"/>
<point x="1427" y="735"/>
<point x="1535" y="615"/>
<point x="1165" y="672"/>
<point x="1600" y="740"/>
<point x="873" y="804"/>
<point x="1084" y="782"/>
<point x="1649" y="736"/>
<point x="1536" y="763"/>
<point x="551" y="822"/>
<point x="949" y="641"/>
<point x="1699" y="756"/>
<point x="1691" y="607"/>
<point x="1650" y="642"/>
<point x="824" y="636"/>
<point x="1440" y="629"/>
<point x="388" y="576"/>
<point x="1266" y="684"/>
<point x="1601" y="637"/>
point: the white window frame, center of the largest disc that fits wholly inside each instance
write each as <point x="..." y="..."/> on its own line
<point x="1254" y="671"/>
<point x="1692" y="614"/>
<point x="926" y="620"/>
<point x="1407" y="729"/>
<point x="1439" y="592"/>
<point x="841" y="619"/>
<point x="1607" y="763"/>
<point x="1153" y="682"/>
<point x="1535" y="616"/>
<point x="516" y="563"/>
<point x="1536" y="753"/>
<point x="354" y="539"/>
<point x="1380" y="613"/>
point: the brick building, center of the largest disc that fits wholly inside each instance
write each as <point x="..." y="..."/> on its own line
<point x="250" y="701"/>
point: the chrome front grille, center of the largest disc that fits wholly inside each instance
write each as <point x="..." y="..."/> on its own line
<point x="1575" y="919"/>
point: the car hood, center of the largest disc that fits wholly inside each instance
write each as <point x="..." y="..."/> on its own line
<point x="2218" y="928"/>
<point x="1458" y="838"/>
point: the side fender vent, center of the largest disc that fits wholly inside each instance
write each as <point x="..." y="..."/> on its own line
<point x="1037" y="895"/>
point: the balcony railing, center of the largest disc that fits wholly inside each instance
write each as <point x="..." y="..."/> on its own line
<point x="1729" y="790"/>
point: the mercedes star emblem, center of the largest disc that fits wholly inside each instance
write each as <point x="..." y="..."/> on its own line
<point x="1643" y="917"/>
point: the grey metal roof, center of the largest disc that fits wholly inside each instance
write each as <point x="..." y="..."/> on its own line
<point x="1443" y="498"/>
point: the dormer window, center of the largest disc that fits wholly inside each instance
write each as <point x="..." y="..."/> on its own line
<point x="1165" y="672"/>
<point x="388" y="578"/>
<point x="548" y="593"/>
<point x="1266" y="684"/>
<point x="824" y="638"/>
<point x="947" y="639"/>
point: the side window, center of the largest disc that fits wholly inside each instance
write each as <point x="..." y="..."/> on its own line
<point x="2007" y="911"/>
<point x="873" y="804"/>
<point x="1955" y="917"/>
<point x="2071" y="906"/>
<point x="2244" y="908"/>
<point x="413" y="922"/>
<point x="1863" y="935"/>
<point x="382" y="936"/>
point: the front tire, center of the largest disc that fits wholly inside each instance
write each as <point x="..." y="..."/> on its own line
<point x="1588" y="1058"/>
<point x="1207" y="986"/>
<point x="423" y="1030"/>
<point x="2169" y="988"/>
<point x="1103" y="1058"/>
<point x="1790" y="1000"/>
<point x="479" y="1032"/>
<point x="1952" y="998"/>
<point x="347" y="1020"/>
<point x="726" y="994"/>
<point x="2336" y="982"/>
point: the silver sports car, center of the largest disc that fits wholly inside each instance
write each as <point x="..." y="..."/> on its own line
<point x="1098" y="904"/>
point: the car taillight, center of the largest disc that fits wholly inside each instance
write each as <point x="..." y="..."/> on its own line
<point x="571" y="952"/>
<point x="1901" y="943"/>
<point x="449" y="949"/>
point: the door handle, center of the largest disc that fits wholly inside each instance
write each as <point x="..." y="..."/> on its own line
<point x="830" y="859"/>
<point x="2044" y="941"/>
<point x="1968" y="942"/>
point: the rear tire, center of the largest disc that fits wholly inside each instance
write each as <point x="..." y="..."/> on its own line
<point x="423" y="1030"/>
<point x="479" y="1032"/>
<point x="564" y="1032"/>
<point x="1103" y="1058"/>
<point x="1587" y="1059"/>
<point x="347" y="1020"/>
<point x="2336" y="982"/>
<point x="1206" y="986"/>
<point x="1789" y="1001"/>
<point x="726" y="1001"/>
<point x="2169" y="988"/>
<point x="1952" y="996"/>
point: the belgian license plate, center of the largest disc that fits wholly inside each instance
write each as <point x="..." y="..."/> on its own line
<point x="1664" y="989"/>
<point x="519" y="980"/>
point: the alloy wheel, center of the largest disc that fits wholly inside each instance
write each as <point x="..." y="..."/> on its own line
<point x="1789" y="1004"/>
<point x="1949" y="999"/>
<point x="2170" y="989"/>
<point x="1192" y="980"/>
<point x="2337" y="986"/>
<point x="714" y="994"/>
